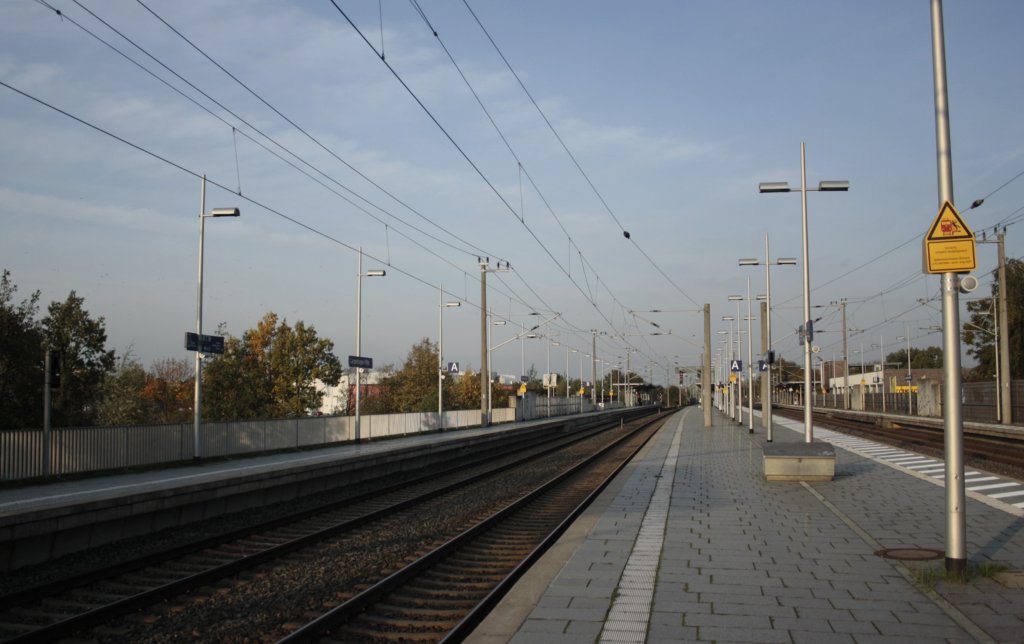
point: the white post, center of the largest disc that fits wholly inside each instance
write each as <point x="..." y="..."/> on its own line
<point x="197" y="412"/>
<point x="359" y="336"/>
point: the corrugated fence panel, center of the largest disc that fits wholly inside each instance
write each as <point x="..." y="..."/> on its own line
<point x="85" y="449"/>
<point x="339" y="428"/>
<point x="151" y="444"/>
<point x="21" y="454"/>
<point x="246" y="438"/>
<point x="283" y="434"/>
<point x="82" y="449"/>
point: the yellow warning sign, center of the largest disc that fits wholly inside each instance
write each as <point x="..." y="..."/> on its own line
<point x="949" y="244"/>
<point x="522" y="389"/>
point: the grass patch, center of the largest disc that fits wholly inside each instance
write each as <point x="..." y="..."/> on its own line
<point x="930" y="577"/>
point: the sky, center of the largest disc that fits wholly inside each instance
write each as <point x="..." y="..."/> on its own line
<point x="533" y="134"/>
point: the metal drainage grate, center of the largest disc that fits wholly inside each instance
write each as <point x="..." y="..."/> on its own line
<point x="911" y="554"/>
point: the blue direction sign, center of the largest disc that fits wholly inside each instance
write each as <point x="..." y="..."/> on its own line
<point x="204" y="343"/>
<point x="736" y="365"/>
<point x="762" y="365"/>
<point x="360" y="362"/>
<point x="453" y="368"/>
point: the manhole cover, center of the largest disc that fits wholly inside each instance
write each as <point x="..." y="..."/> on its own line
<point x="911" y="554"/>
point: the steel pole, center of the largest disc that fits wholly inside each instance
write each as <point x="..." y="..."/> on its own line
<point x="956" y="520"/>
<point x="766" y="405"/>
<point x="359" y="336"/>
<point x="705" y="374"/>
<point x="484" y="376"/>
<point x="197" y="403"/>
<point x="440" y="356"/>
<point x="750" y="362"/>
<point x="808" y="327"/>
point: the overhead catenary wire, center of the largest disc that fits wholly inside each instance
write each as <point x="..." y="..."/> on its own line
<point x="465" y="155"/>
<point x="306" y="133"/>
<point x="198" y="175"/>
<point x="573" y="158"/>
<point x="260" y="144"/>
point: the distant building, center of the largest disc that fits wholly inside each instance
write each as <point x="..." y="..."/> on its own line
<point x="336" y="398"/>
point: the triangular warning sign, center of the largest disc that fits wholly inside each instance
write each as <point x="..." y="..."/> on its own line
<point x="948" y="225"/>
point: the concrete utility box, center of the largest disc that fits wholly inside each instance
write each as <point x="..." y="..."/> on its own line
<point x="799" y="462"/>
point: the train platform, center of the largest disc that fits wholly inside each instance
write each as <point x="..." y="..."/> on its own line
<point x="691" y="543"/>
<point x="43" y="521"/>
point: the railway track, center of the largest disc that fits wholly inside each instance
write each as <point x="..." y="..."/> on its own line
<point x="446" y="592"/>
<point x="143" y="588"/>
<point x="997" y="454"/>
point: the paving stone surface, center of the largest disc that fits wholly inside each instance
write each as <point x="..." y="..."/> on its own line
<point x="746" y="560"/>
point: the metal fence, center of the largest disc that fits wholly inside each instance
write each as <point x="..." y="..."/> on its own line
<point x="978" y="402"/>
<point x="74" y="450"/>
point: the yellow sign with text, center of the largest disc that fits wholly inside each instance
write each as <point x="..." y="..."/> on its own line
<point x="949" y="245"/>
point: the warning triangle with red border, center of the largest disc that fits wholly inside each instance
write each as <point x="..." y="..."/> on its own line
<point x="948" y="225"/>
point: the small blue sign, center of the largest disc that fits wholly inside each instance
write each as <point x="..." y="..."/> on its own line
<point x="360" y="362"/>
<point x="453" y="368"/>
<point x="736" y="366"/>
<point x="204" y="343"/>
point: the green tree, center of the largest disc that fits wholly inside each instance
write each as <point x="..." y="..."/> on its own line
<point x="122" y="402"/>
<point x="85" y="360"/>
<point x="464" y="392"/>
<point x="928" y="358"/>
<point x="21" y="359"/>
<point x="414" y="386"/>
<point x="979" y="331"/>
<point x="269" y="372"/>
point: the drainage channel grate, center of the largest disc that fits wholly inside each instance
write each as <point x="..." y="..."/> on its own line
<point x="911" y="554"/>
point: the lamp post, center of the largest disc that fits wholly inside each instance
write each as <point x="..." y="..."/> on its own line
<point x="766" y="403"/>
<point x="910" y="375"/>
<point x="750" y="363"/>
<point x="197" y="412"/>
<point x="359" y="329"/>
<point x="729" y="357"/>
<point x="737" y="355"/>
<point x="490" y="351"/>
<point x="441" y="306"/>
<point x="485" y="377"/>
<point x="808" y="333"/>
<point x="881" y="354"/>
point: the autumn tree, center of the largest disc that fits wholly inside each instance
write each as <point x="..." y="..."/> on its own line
<point x="269" y="372"/>
<point x="168" y="392"/>
<point x="21" y="359"/>
<point x="85" y="360"/>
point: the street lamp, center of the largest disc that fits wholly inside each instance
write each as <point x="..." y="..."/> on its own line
<point x="731" y="354"/>
<point x="197" y="412"/>
<point x="739" y="356"/>
<point x="359" y="327"/>
<point x="910" y="375"/>
<point x="808" y="332"/>
<point x="441" y="306"/>
<point x="766" y="392"/>
<point x="881" y="354"/>
<point x="485" y="377"/>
